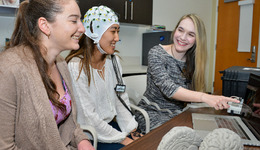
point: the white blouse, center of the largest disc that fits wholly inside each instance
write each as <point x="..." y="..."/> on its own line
<point x="98" y="104"/>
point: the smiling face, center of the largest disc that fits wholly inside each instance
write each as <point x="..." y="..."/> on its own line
<point x="109" y="39"/>
<point x="67" y="28"/>
<point x="184" y="37"/>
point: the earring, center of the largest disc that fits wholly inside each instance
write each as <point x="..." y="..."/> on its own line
<point x="48" y="35"/>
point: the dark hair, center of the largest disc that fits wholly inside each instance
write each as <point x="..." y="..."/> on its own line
<point x="85" y="52"/>
<point x="27" y="33"/>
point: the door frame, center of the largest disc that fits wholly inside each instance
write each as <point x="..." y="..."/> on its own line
<point x="258" y="52"/>
<point x="215" y="43"/>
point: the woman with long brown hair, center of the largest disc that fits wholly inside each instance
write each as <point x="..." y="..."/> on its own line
<point x="37" y="108"/>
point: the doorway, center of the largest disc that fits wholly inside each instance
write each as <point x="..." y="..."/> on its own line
<point x="227" y="40"/>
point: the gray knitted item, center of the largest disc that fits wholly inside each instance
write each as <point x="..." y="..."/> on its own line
<point x="222" y="139"/>
<point x="180" y="138"/>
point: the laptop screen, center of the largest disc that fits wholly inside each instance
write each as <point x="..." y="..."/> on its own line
<point x="253" y="91"/>
<point x="253" y="96"/>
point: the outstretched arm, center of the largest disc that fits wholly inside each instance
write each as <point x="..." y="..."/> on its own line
<point x="216" y="101"/>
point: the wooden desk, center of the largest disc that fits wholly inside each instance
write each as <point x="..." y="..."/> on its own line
<point x="151" y="140"/>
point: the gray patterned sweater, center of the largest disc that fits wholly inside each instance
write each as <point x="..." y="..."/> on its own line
<point x="164" y="77"/>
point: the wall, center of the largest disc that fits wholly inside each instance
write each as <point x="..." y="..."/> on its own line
<point x="168" y="13"/>
<point x="212" y="50"/>
<point x="165" y="12"/>
<point x="173" y="10"/>
<point x="6" y="24"/>
<point x="6" y="29"/>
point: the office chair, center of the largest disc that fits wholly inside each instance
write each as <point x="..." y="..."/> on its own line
<point x="90" y="131"/>
<point x="135" y="87"/>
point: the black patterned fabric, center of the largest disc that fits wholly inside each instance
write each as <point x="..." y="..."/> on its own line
<point x="164" y="77"/>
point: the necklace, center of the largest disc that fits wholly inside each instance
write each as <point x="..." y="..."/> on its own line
<point x="174" y="55"/>
<point x="101" y="72"/>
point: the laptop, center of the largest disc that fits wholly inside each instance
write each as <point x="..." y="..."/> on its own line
<point x="246" y="126"/>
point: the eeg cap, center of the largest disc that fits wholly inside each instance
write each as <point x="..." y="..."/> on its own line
<point x="97" y="20"/>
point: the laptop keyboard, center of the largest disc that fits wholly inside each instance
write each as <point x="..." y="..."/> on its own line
<point x="231" y="124"/>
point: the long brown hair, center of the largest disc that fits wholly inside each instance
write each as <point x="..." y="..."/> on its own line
<point x="27" y="33"/>
<point x="196" y="56"/>
<point x="85" y="53"/>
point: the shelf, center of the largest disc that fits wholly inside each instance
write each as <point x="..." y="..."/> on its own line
<point x="8" y="6"/>
<point x="8" y="11"/>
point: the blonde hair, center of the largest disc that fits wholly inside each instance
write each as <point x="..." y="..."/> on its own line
<point x="196" y="57"/>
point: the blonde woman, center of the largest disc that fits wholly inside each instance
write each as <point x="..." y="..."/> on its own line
<point x="176" y="73"/>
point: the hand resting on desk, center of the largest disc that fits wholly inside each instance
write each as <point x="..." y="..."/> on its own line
<point x="218" y="102"/>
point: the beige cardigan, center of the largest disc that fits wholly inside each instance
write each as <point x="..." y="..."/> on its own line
<point x="26" y="118"/>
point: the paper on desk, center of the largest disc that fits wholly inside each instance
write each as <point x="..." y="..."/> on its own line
<point x="197" y="105"/>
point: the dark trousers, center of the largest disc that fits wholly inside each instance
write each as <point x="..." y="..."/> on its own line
<point x="110" y="146"/>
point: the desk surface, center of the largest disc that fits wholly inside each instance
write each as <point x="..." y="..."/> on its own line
<point x="151" y="140"/>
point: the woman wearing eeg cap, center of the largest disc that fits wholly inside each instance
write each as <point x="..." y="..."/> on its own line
<point x="94" y="80"/>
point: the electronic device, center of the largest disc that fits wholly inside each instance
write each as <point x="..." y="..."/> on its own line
<point x="246" y="125"/>
<point x="235" y="108"/>
<point x="150" y="39"/>
<point x="203" y="124"/>
<point x="120" y="88"/>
